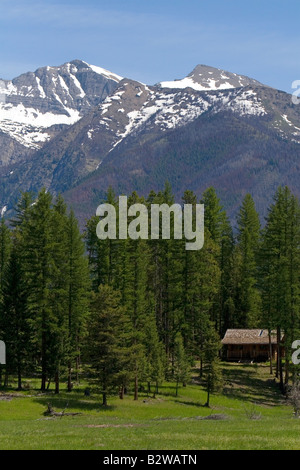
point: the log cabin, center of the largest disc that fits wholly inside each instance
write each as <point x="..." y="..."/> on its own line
<point x="254" y="345"/>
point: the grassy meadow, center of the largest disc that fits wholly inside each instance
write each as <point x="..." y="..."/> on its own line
<point x="253" y="413"/>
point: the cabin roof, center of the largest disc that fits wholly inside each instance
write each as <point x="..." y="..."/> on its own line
<point x="257" y="336"/>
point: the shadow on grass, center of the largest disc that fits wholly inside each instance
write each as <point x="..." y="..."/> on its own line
<point x="244" y="381"/>
<point x="69" y="402"/>
<point x="191" y="403"/>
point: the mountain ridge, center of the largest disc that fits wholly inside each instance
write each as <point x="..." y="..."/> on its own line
<point x="205" y="78"/>
<point x="130" y="135"/>
<point x="36" y="102"/>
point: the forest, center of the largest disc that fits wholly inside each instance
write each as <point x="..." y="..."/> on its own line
<point x="129" y="314"/>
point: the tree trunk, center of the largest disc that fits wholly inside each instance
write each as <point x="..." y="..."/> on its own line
<point x="77" y="367"/>
<point x="6" y="379"/>
<point x="201" y="369"/>
<point x="208" y="397"/>
<point x="19" y="378"/>
<point x="278" y="354"/>
<point x="70" y="377"/>
<point x="104" y="401"/>
<point x="43" y="384"/>
<point x="287" y="372"/>
<point x="57" y="382"/>
<point x="271" y="352"/>
<point x="44" y="350"/>
<point x="280" y="359"/>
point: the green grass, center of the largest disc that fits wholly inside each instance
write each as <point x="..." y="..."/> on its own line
<point x="164" y="423"/>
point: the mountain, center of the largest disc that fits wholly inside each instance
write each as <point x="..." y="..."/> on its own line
<point x="205" y="78"/>
<point x="36" y="105"/>
<point x="211" y="128"/>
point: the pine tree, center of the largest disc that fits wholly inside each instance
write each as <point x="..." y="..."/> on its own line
<point x="135" y="299"/>
<point x="58" y="291"/>
<point x="217" y="224"/>
<point x="166" y="282"/>
<point x="103" y="255"/>
<point x="104" y="343"/>
<point x="248" y="298"/>
<point x="5" y="248"/>
<point x="227" y="280"/>
<point x="279" y="269"/>
<point x="15" y="317"/>
<point x="154" y="355"/>
<point x="214" y="214"/>
<point x="40" y="253"/>
<point x="22" y="209"/>
<point x="181" y="363"/>
<point x="78" y="291"/>
<point x="213" y="375"/>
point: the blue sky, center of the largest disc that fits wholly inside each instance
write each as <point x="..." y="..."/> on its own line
<point x="154" y="41"/>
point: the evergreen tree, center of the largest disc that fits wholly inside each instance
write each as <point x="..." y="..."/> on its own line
<point x="78" y="291"/>
<point x="279" y="269"/>
<point x="5" y="248"/>
<point x="248" y="298"/>
<point x="214" y="214"/>
<point x="103" y="254"/>
<point x="166" y="280"/>
<point x="155" y="355"/>
<point x="14" y="318"/>
<point x="22" y="209"/>
<point x="217" y="224"/>
<point x="104" y="343"/>
<point x="227" y="280"/>
<point x="58" y="291"/>
<point x="43" y="264"/>
<point x="213" y="375"/>
<point x="135" y="299"/>
<point x="181" y="363"/>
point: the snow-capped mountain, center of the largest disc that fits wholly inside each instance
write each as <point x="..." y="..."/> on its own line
<point x="78" y="128"/>
<point x="167" y="109"/>
<point x="205" y="78"/>
<point x="34" y="102"/>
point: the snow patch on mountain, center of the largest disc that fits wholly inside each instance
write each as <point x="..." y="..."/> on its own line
<point x="3" y="210"/>
<point x="29" y="136"/>
<point x="51" y="96"/>
<point x="170" y="110"/>
<point x="188" y="82"/>
<point x="105" y="73"/>
<point x="247" y="103"/>
<point x="205" y="78"/>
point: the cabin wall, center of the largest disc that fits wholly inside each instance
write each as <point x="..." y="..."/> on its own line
<point x="257" y="352"/>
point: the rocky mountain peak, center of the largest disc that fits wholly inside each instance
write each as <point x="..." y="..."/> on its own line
<point x="51" y="96"/>
<point x="206" y="78"/>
